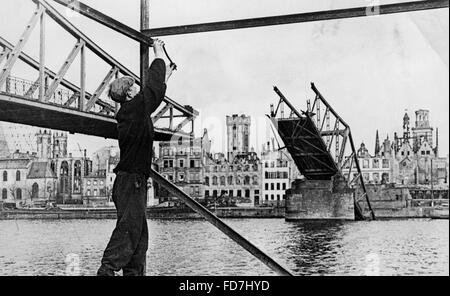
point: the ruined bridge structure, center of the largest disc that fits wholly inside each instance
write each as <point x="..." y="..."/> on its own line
<point x="52" y="101"/>
<point x="321" y="145"/>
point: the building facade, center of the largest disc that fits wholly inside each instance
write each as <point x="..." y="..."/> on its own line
<point x="49" y="174"/>
<point x="238" y="181"/>
<point x="278" y="171"/>
<point x="411" y="159"/>
<point x="182" y="162"/>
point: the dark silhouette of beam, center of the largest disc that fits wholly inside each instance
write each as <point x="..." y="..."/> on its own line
<point x="300" y="18"/>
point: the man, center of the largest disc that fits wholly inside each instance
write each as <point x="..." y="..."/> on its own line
<point x="128" y="245"/>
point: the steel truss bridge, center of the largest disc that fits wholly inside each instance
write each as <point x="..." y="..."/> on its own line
<point x="320" y="141"/>
<point x="52" y="101"/>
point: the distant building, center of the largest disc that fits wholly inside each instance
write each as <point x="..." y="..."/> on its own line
<point x="412" y="159"/>
<point x="278" y="170"/>
<point x="95" y="189"/>
<point x="238" y="135"/>
<point x="181" y="162"/>
<point x="376" y="169"/>
<point x="238" y="180"/>
<point x="49" y="174"/>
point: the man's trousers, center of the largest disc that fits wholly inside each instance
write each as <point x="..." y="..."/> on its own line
<point x="128" y="245"/>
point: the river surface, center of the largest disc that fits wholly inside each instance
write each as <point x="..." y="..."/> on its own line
<point x="194" y="247"/>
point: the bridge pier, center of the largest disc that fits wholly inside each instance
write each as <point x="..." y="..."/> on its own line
<point x="320" y="200"/>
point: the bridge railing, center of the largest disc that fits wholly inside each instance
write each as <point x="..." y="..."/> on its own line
<point x="54" y="89"/>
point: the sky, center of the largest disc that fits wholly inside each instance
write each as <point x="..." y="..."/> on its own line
<point x="369" y="69"/>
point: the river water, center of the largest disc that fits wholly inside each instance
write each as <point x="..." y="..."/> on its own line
<point x="194" y="247"/>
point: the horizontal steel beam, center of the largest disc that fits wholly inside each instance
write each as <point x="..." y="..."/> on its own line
<point x="111" y="23"/>
<point x="299" y="18"/>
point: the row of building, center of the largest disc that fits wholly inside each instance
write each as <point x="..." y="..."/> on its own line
<point x="240" y="176"/>
<point x="411" y="159"/>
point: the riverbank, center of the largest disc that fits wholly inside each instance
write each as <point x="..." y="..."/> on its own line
<point x="152" y="213"/>
<point x="186" y="213"/>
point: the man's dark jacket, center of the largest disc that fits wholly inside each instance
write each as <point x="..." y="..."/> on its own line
<point x="135" y="126"/>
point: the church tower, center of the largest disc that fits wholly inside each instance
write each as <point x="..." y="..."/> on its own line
<point x="422" y="132"/>
<point x="238" y="135"/>
<point x="406" y="131"/>
<point x="44" y="144"/>
<point x="60" y="145"/>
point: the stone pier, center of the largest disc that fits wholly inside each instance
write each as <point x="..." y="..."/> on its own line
<point x="320" y="199"/>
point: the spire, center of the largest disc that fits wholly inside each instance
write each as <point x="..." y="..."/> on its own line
<point x="4" y="148"/>
<point x="377" y="145"/>
<point x="437" y="143"/>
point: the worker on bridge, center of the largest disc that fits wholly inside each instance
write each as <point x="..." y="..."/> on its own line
<point x="128" y="245"/>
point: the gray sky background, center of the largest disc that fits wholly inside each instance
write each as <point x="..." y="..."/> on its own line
<point x="369" y="69"/>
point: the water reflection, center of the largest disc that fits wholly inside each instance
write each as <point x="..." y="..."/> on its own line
<point x="313" y="245"/>
<point x="194" y="247"/>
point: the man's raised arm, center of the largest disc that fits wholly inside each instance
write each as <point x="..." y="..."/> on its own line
<point x="157" y="77"/>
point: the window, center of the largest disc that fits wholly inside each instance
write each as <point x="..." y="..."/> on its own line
<point x="428" y="152"/>
<point x="181" y="177"/>
<point x="267" y="197"/>
<point x="385" y="163"/>
<point x="19" y="193"/>
<point x="214" y="180"/>
<point x="239" y="193"/>
<point x="272" y="197"/>
<point x="266" y="186"/>
<point x="376" y="163"/>
<point x="4" y="193"/>
<point x="266" y="175"/>
<point x="207" y="181"/>
<point x="193" y="163"/>
<point x="266" y="165"/>
<point x="95" y="182"/>
<point x="284" y="186"/>
<point x="272" y="186"/>
<point x="18" y="176"/>
<point x="206" y="193"/>
<point x="247" y="180"/>
<point x="230" y="180"/>
<point x="35" y="191"/>
<point x="166" y="163"/>
<point x="247" y="193"/>
<point x="95" y="192"/>
<point x="101" y="182"/>
<point x="222" y="180"/>
<point x="366" y="177"/>
<point x="256" y="191"/>
<point x="278" y="186"/>
<point x="365" y="163"/>
<point x="88" y="182"/>
<point x="88" y="192"/>
<point x="376" y="177"/>
<point x="181" y="163"/>
<point x="5" y="176"/>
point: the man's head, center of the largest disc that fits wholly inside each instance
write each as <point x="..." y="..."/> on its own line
<point x="122" y="89"/>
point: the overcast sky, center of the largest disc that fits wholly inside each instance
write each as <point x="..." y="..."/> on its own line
<point x="369" y="69"/>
